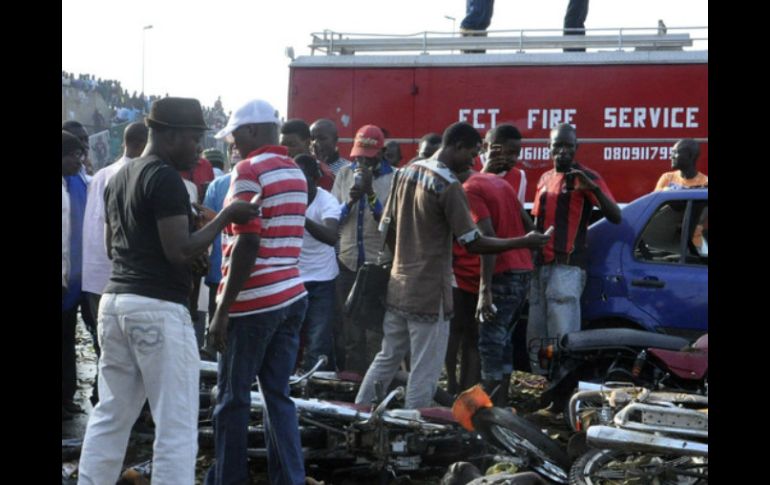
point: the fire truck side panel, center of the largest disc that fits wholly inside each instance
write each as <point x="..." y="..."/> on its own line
<point x="627" y="116"/>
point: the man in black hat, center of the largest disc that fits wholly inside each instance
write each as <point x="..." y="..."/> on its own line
<point x="149" y="349"/>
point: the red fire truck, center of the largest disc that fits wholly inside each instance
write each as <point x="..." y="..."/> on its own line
<point x="631" y="95"/>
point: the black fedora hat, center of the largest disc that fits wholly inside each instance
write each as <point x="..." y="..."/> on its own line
<point x="176" y="113"/>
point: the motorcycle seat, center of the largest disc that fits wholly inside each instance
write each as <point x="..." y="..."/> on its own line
<point x="439" y="415"/>
<point x="702" y="343"/>
<point x="609" y="338"/>
<point x="685" y="365"/>
<point x="351" y="376"/>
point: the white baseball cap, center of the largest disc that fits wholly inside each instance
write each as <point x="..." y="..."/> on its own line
<point x="255" y="111"/>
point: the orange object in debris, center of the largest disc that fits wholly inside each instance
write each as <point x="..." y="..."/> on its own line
<point x="134" y="477"/>
<point x="467" y="403"/>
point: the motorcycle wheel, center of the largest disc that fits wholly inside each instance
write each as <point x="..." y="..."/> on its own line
<point x="617" y="467"/>
<point x="523" y="439"/>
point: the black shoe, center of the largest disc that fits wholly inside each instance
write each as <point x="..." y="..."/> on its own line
<point x="66" y="415"/>
<point x="72" y="408"/>
<point x="472" y="33"/>
<point x="492" y="388"/>
<point x="503" y="393"/>
<point x="208" y="353"/>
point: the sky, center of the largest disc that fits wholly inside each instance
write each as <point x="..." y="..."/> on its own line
<point x="236" y="48"/>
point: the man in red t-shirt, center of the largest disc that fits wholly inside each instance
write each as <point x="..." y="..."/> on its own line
<point x="564" y="198"/>
<point x="201" y="176"/>
<point x="502" y="148"/>
<point x="490" y="291"/>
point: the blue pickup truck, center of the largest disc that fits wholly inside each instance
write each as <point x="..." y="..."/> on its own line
<point x="651" y="270"/>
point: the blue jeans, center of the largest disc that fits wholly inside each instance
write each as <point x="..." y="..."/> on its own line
<point x="478" y="14"/>
<point x="317" y="327"/>
<point x="263" y="345"/>
<point x="509" y="292"/>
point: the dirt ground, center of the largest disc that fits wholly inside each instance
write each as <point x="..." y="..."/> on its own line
<point x="525" y="391"/>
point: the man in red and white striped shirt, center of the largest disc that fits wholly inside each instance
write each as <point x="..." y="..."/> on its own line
<point x="261" y="301"/>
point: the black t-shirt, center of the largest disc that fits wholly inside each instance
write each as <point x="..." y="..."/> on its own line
<point x="145" y="190"/>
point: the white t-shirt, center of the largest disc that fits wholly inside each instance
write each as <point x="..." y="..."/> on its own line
<point x="97" y="267"/>
<point x="317" y="261"/>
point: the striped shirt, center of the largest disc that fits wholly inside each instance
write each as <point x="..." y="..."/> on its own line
<point x="569" y="211"/>
<point x="275" y="281"/>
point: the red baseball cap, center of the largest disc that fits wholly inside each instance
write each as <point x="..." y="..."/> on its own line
<point x="368" y="142"/>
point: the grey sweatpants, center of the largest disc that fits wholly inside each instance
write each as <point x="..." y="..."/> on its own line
<point x="427" y="342"/>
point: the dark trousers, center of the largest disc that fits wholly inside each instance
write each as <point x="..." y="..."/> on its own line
<point x="478" y="14"/>
<point x="575" y="18"/>
<point x="463" y="339"/>
<point x="69" y="320"/>
<point x="317" y="333"/>
<point x="355" y="346"/>
<point x="93" y="305"/>
<point x="212" y="299"/>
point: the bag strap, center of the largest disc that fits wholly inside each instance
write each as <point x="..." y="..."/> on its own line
<point x="385" y="224"/>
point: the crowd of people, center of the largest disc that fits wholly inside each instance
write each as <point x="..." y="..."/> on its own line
<point x="127" y="107"/>
<point x="278" y="230"/>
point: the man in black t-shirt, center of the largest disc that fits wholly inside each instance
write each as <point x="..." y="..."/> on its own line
<point x="149" y="349"/>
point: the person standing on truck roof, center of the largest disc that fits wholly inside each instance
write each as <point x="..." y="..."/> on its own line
<point x="563" y="201"/>
<point x="478" y="15"/>
<point x="362" y="187"/>
<point x="295" y="136"/>
<point x="575" y="21"/>
<point x="427" y="207"/>
<point x="684" y="159"/>
<point x="323" y="143"/>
